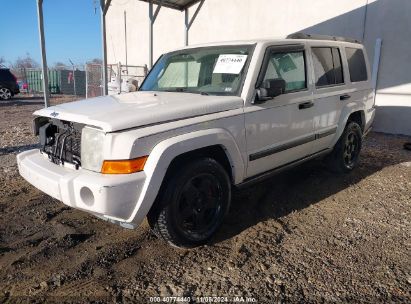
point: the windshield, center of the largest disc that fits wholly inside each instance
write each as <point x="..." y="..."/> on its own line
<point x="218" y="70"/>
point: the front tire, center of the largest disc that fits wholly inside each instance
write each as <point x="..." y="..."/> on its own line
<point x="346" y="153"/>
<point x="192" y="204"/>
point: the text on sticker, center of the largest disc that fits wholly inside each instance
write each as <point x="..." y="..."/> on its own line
<point x="229" y="64"/>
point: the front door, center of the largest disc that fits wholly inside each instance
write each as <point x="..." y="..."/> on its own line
<point x="280" y="131"/>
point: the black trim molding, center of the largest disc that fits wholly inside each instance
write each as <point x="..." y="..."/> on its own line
<point x="292" y="144"/>
<point x="281" y="148"/>
<point x="326" y="133"/>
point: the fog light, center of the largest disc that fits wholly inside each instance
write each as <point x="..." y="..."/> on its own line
<point x="87" y="196"/>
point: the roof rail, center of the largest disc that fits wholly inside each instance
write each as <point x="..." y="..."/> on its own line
<point x="300" y="35"/>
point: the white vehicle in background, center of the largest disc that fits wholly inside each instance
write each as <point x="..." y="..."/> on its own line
<point x="206" y="119"/>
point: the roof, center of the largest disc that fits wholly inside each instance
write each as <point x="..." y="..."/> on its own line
<point x="266" y="41"/>
<point x="174" y="4"/>
<point x="300" y="35"/>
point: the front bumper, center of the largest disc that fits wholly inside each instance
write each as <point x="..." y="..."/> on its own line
<point x="113" y="197"/>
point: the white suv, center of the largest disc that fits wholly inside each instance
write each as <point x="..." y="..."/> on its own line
<point x="207" y="118"/>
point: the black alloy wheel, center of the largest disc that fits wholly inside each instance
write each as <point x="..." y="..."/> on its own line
<point x="192" y="203"/>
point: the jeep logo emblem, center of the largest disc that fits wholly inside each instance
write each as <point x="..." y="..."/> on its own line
<point x="54" y="114"/>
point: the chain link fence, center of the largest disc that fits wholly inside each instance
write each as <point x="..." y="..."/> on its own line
<point x="125" y="78"/>
<point x="65" y="80"/>
<point x="83" y="80"/>
<point x="94" y="80"/>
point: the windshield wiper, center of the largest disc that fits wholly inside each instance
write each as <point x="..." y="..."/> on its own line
<point x="197" y="92"/>
<point x="175" y="90"/>
<point x="184" y="90"/>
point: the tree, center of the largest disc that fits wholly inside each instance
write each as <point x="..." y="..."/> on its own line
<point x="25" y="62"/>
<point x="95" y="61"/>
<point x="59" y="65"/>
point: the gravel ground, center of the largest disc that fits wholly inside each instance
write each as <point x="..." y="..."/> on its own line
<point x="306" y="235"/>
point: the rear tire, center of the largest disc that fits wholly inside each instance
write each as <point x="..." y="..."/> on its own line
<point x="192" y="204"/>
<point x="346" y="152"/>
<point x="5" y="94"/>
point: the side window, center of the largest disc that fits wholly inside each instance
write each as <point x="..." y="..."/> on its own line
<point x="327" y="66"/>
<point x="356" y="64"/>
<point x="289" y="66"/>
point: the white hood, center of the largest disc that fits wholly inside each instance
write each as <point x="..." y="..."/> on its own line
<point x="118" y="112"/>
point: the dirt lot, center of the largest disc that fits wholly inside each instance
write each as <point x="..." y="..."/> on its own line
<point x="304" y="236"/>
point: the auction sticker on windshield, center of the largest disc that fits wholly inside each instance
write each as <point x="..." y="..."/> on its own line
<point x="229" y="64"/>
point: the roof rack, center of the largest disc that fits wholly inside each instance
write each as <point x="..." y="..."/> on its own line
<point x="301" y="35"/>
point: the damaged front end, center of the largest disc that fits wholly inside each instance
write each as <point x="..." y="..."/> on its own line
<point x="60" y="140"/>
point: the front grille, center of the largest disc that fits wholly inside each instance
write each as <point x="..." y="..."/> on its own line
<point x="61" y="141"/>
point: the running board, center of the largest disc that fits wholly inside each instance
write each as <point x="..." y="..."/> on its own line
<point x="263" y="176"/>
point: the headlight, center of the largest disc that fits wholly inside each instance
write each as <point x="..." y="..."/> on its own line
<point x="92" y="149"/>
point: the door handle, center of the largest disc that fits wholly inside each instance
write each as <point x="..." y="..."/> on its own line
<point x="345" y="97"/>
<point x="305" y="105"/>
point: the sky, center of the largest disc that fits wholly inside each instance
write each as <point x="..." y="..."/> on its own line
<point x="72" y="30"/>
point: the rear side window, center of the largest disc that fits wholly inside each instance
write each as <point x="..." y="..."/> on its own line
<point x="327" y="66"/>
<point x="356" y="64"/>
<point x="289" y="66"/>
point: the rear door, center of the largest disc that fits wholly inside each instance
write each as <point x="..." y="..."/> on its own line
<point x="361" y="91"/>
<point x="280" y="131"/>
<point x="331" y="92"/>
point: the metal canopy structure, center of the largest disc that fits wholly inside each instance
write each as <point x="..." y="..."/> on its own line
<point x="174" y="4"/>
<point x="181" y="5"/>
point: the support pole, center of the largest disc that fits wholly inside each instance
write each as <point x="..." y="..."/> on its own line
<point x="86" y="74"/>
<point x="152" y="17"/>
<point x="186" y="27"/>
<point x="376" y="65"/>
<point x="189" y="22"/>
<point x="103" y="10"/>
<point x="74" y="77"/>
<point x="125" y="37"/>
<point x="46" y="92"/>
<point x="150" y="35"/>
<point x="119" y="77"/>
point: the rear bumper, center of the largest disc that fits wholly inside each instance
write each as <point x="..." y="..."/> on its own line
<point x="113" y="197"/>
<point x="16" y="89"/>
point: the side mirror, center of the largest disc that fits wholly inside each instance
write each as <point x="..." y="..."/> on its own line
<point x="270" y="88"/>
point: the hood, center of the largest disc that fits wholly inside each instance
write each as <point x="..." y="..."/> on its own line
<point x="118" y="112"/>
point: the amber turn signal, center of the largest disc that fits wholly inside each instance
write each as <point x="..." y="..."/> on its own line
<point x="126" y="166"/>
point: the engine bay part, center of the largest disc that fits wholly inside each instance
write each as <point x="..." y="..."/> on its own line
<point x="61" y="141"/>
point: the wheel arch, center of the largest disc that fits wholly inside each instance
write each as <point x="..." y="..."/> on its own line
<point x="358" y="117"/>
<point x="351" y="112"/>
<point x="216" y="152"/>
<point x="216" y="143"/>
